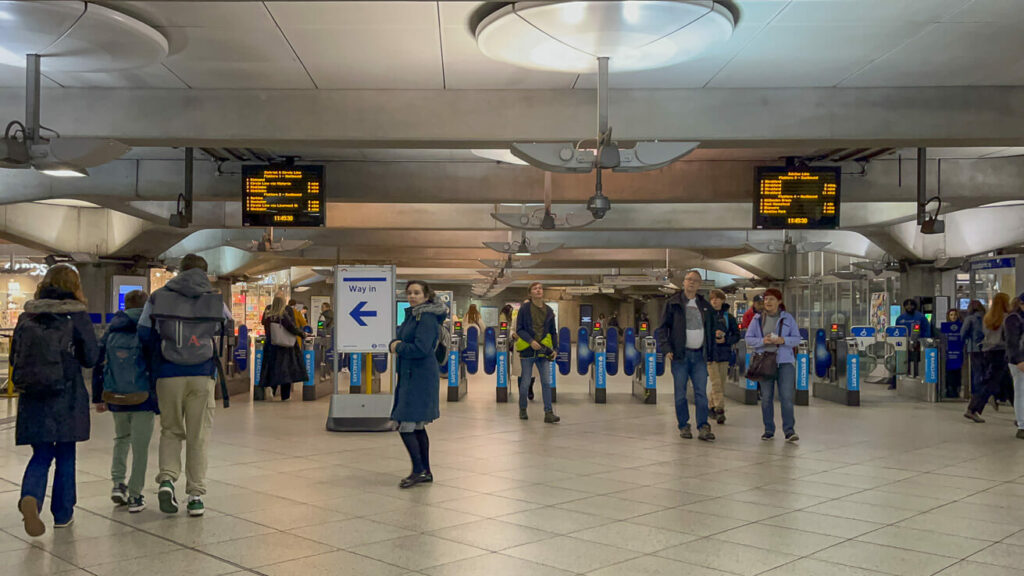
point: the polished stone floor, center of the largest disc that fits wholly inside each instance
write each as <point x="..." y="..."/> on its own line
<point x="891" y="487"/>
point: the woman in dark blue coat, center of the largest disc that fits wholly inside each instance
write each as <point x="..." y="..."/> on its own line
<point x="53" y="423"/>
<point x="418" y="388"/>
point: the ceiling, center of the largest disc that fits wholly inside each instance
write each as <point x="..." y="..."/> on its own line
<point x="430" y="45"/>
<point x="392" y="96"/>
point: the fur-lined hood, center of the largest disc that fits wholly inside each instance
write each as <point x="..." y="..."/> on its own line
<point x="49" y="306"/>
<point x="430" y="307"/>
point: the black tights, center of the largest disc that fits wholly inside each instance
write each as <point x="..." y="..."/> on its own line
<point x="418" y="445"/>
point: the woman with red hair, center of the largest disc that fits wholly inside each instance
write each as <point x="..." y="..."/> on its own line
<point x="774" y="331"/>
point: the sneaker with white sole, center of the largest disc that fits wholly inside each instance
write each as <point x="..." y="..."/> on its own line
<point x="195" y="506"/>
<point x="119" y="495"/>
<point x="65" y="524"/>
<point x="168" y="503"/>
<point x="136" y="503"/>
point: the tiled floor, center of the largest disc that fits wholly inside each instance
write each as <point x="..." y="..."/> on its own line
<point x="891" y="487"/>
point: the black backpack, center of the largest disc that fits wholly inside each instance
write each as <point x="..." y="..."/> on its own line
<point x="40" y="345"/>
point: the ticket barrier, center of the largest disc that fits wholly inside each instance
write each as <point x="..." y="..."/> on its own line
<point x="645" y="376"/>
<point x="927" y="386"/>
<point x="951" y="361"/>
<point x="457" y="386"/>
<point x="258" y="392"/>
<point x="362" y="378"/>
<point x="803" y="375"/>
<point x="898" y="361"/>
<point x="317" y="384"/>
<point x="738" y="388"/>
<point x="837" y="366"/>
<point x="598" y="381"/>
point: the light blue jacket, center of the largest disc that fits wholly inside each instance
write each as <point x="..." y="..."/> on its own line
<point x="787" y="328"/>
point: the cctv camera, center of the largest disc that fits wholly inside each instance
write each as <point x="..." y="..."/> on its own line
<point x="599" y="205"/>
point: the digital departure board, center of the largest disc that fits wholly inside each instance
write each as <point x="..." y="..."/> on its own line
<point x="796" y="198"/>
<point x="283" y="196"/>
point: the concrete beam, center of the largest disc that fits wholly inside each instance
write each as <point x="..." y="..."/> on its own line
<point x="925" y="116"/>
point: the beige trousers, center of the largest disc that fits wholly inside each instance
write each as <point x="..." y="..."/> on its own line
<point x="718" y="373"/>
<point x="186" y="414"/>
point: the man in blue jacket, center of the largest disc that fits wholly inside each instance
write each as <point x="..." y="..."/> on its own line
<point x="687" y="334"/>
<point x="180" y="325"/>
<point x="538" y="339"/>
<point x="911" y="317"/>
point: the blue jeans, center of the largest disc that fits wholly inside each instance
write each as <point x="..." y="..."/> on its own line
<point x="62" y="504"/>
<point x="544" y="367"/>
<point x="786" y="380"/>
<point x="693" y="367"/>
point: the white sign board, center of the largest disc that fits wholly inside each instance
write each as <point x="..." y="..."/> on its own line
<point x="364" y="316"/>
<point x="582" y="290"/>
<point x="633" y="280"/>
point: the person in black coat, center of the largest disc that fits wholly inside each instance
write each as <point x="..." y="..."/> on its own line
<point x="52" y="424"/>
<point x="418" y="388"/>
<point x="282" y="363"/>
<point x="727" y="334"/>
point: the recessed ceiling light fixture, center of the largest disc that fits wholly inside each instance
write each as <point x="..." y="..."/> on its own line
<point x="634" y="35"/>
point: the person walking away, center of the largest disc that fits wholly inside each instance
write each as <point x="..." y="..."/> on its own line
<point x="727" y="334"/>
<point x="971" y="334"/>
<point x="325" y="323"/>
<point x="775" y="331"/>
<point x="538" y="339"/>
<point x="52" y="342"/>
<point x="687" y="334"/>
<point x="953" y="377"/>
<point x="993" y="366"/>
<point x="121" y="383"/>
<point x="179" y="326"/>
<point x="756" y="307"/>
<point x="515" y="368"/>
<point x="281" y="366"/>
<point x="416" y="394"/>
<point x="1013" y="330"/>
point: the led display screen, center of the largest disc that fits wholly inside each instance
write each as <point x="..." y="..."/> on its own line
<point x="796" y="198"/>
<point x="285" y="196"/>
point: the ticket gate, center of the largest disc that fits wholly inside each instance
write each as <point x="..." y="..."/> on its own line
<point x="897" y="363"/>
<point x="927" y="386"/>
<point x="838" y="355"/>
<point x="951" y="361"/>
<point x="457" y="387"/>
<point x="500" y="366"/>
<point x="738" y="388"/>
<point x="803" y="375"/>
<point x="362" y="378"/>
<point x="598" y="382"/>
<point x="645" y="376"/>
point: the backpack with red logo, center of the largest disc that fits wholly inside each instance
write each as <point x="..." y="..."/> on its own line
<point x="187" y="325"/>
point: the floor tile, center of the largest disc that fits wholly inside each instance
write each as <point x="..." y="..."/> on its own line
<point x="492" y="535"/>
<point x="292" y="517"/>
<point x="655" y="566"/>
<point x="206" y="531"/>
<point x="348" y="534"/>
<point x="1006" y="555"/>
<point x="958" y="547"/>
<point x="265" y="549"/>
<point x="33" y="561"/>
<point x="778" y="538"/>
<point x="488" y="505"/>
<point x="636" y="537"/>
<point x="968" y="568"/>
<point x="660" y="496"/>
<point x="822" y="524"/>
<point x="886" y="559"/>
<point x="861" y="511"/>
<point x="688" y="521"/>
<point x="727" y="556"/>
<point x="338" y="563"/>
<point x="611" y="507"/>
<point x="593" y="485"/>
<point x="571" y="554"/>
<point x="950" y="524"/>
<point x="902" y="501"/>
<point x="734" y="509"/>
<point x="174" y="563"/>
<point x="366" y="504"/>
<point x="424" y="518"/>
<point x="556" y="520"/>
<point x="418" y="552"/>
<point x="88" y="552"/>
<point x="543" y="494"/>
<point x="776" y="498"/>
<point x="494" y="565"/>
<point x="812" y="567"/>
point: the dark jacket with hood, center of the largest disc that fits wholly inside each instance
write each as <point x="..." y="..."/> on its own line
<point x="973" y="332"/>
<point x="725" y="322"/>
<point x="65" y="417"/>
<point x="524" y="328"/>
<point x="672" y="332"/>
<point x="282" y="364"/>
<point x="191" y="283"/>
<point x="418" y="388"/>
<point x="124" y="321"/>
<point x="1013" y="333"/>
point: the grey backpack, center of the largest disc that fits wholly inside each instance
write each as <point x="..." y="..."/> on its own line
<point x="187" y="326"/>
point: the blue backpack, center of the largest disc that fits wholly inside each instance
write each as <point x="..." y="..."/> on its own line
<point x="125" y="376"/>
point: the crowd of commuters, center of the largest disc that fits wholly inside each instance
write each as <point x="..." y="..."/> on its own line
<point x="159" y="357"/>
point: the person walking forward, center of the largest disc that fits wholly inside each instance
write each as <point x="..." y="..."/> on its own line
<point x="687" y="333"/>
<point x="538" y="339"/>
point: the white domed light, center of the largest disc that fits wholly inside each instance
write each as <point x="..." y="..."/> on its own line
<point x="634" y="35"/>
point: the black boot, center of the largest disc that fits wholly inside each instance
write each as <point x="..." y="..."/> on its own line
<point x="529" y="394"/>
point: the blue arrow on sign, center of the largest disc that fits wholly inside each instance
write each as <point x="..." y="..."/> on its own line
<point x="358" y="313"/>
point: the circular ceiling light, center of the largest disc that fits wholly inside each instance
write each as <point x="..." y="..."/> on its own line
<point x="634" y="35"/>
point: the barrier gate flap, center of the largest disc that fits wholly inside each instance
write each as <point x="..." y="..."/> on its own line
<point x="380" y="362"/>
<point x="611" y="352"/>
<point x="490" y="350"/>
<point x="822" y="357"/>
<point x="564" y="358"/>
<point x="584" y="356"/>
<point x="471" y="356"/>
<point x="630" y="354"/>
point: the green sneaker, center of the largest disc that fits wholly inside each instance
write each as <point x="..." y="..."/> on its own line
<point x="168" y="503"/>
<point x="195" y="506"/>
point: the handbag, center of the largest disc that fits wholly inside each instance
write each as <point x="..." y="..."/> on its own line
<point x="763" y="365"/>
<point x="280" y="336"/>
